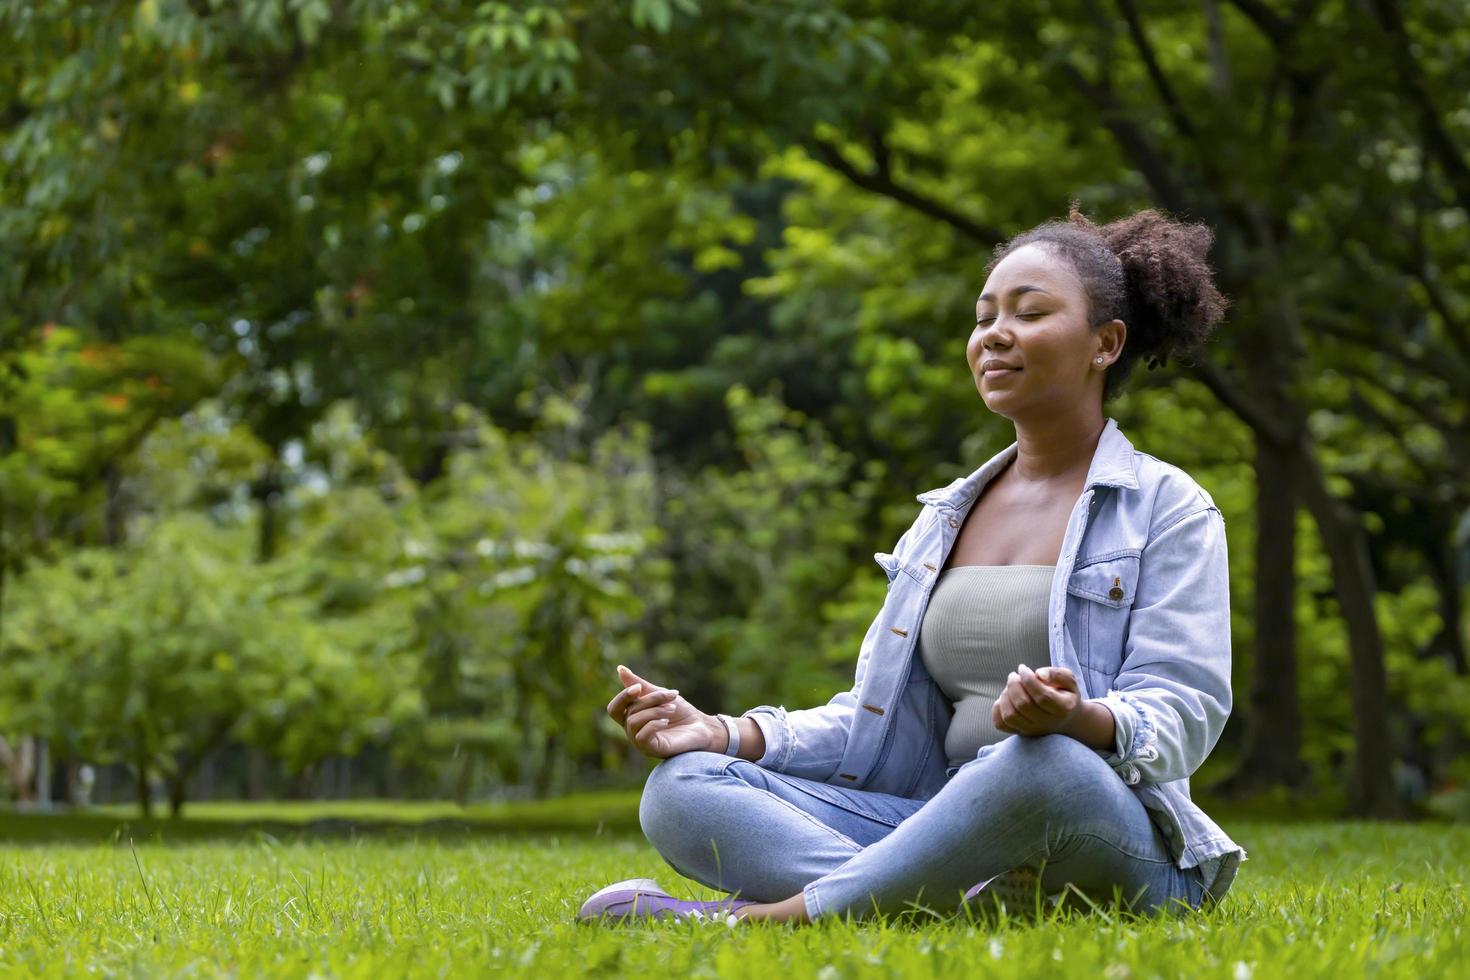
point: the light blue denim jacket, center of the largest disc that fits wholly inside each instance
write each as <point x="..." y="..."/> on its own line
<point x="1139" y="611"/>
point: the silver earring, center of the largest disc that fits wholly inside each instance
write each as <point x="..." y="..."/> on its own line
<point x="1098" y="359"/>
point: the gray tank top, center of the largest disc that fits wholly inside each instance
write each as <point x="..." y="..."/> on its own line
<point x="981" y="622"/>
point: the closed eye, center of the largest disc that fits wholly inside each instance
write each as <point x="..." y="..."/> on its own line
<point x="1023" y="316"/>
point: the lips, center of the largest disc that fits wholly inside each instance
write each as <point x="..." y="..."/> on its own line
<point x="996" y="371"/>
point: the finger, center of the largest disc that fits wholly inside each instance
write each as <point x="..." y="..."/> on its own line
<point x="648" y="734"/>
<point x="996" y="719"/>
<point x="654" y="700"/>
<point x="1040" y="693"/>
<point x="631" y="678"/>
<point x="1024" y="706"/>
<point x="1059" y="677"/>
<point x="637" y="719"/>
<point x="648" y="708"/>
<point x="1009" y="716"/>
<point x="618" y="706"/>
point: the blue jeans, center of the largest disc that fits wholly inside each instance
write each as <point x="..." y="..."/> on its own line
<point x="1046" y="803"/>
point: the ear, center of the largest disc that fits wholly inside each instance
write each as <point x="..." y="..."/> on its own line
<point x="1111" y="337"/>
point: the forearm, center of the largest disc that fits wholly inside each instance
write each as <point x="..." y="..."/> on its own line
<point x="1093" y="726"/>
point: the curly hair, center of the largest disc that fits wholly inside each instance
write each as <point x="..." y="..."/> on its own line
<point x="1146" y="269"/>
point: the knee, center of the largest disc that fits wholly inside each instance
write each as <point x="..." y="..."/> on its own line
<point x="672" y="795"/>
<point x="1059" y="752"/>
<point x="1046" y="770"/>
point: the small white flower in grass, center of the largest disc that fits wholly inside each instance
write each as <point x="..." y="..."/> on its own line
<point x="1243" y="970"/>
<point x="997" y="949"/>
<point x="828" y="972"/>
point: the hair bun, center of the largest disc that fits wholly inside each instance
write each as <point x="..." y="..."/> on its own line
<point x="1172" y="297"/>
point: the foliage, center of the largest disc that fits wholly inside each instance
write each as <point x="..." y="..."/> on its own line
<point x="375" y="375"/>
<point x="161" y="653"/>
<point x="538" y="557"/>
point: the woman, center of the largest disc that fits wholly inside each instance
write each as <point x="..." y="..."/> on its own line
<point x="953" y="774"/>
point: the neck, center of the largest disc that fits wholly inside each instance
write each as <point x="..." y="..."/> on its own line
<point x="1056" y="448"/>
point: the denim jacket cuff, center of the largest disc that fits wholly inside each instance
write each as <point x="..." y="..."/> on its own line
<point x="776" y="730"/>
<point x="1136" y="739"/>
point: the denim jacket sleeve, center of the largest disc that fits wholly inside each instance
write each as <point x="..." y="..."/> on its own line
<point x="810" y="742"/>
<point x="1172" y="695"/>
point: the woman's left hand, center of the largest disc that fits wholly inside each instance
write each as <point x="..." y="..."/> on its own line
<point x="1037" y="702"/>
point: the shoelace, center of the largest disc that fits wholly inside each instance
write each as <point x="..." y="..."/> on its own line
<point x="727" y="918"/>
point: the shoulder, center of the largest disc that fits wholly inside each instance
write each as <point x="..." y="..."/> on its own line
<point x="1168" y="492"/>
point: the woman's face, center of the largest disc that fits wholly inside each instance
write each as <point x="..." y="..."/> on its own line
<point x="1032" y="318"/>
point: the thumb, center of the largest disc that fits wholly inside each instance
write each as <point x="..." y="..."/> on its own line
<point x="1059" y="677"/>
<point x="629" y="678"/>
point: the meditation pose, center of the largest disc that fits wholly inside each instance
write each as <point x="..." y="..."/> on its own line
<point x="1050" y="665"/>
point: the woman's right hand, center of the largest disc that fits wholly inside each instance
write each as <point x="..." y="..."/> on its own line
<point x="658" y="721"/>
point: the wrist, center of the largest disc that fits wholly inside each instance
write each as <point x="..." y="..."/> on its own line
<point x="1092" y="725"/>
<point x="1075" y="720"/>
<point x="719" y="737"/>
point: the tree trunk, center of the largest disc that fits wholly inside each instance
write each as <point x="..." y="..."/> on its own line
<point x="1450" y="642"/>
<point x="544" y="774"/>
<point x="43" y="772"/>
<point x="1371" y="789"/>
<point x="20" y="763"/>
<point x="114" y="510"/>
<point x="257" y="781"/>
<point x="1271" y="755"/>
<point x="178" y="794"/>
<point x="466" y="777"/>
<point x="267" y="494"/>
<point x="7" y="444"/>
<point x="145" y="800"/>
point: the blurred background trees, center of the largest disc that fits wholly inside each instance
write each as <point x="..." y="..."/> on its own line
<point x="375" y="376"/>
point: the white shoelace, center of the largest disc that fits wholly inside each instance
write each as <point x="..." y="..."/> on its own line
<point x="728" y="918"/>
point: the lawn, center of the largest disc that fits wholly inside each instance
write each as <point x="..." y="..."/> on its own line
<point x="331" y="892"/>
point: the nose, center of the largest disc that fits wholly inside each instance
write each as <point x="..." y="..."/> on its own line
<point x="993" y="336"/>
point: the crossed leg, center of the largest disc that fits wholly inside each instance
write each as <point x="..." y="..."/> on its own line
<point x="812" y="849"/>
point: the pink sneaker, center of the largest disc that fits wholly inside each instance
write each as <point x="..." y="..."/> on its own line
<point x="642" y="898"/>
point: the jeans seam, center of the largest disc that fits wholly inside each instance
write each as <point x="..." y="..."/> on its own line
<point x="813" y="901"/>
<point x="836" y="834"/>
<point x="797" y="784"/>
<point x="1120" y="849"/>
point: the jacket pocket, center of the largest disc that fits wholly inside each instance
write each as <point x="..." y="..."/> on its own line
<point x="911" y="734"/>
<point x="1105" y="584"/>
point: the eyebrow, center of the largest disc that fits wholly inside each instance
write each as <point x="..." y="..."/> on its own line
<point x="1014" y="292"/>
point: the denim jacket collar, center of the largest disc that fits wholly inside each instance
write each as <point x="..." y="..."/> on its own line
<point x="1112" y="465"/>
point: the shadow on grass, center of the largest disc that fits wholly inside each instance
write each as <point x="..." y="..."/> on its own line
<point x="596" y="814"/>
<point x="605" y="813"/>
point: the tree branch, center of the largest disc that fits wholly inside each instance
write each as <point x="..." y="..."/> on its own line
<point x="1452" y="433"/>
<point x="1232" y="396"/>
<point x="880" y="181"/>
<point x="1412" y="82"/>
<point x="1437" y="364"/>
<point x="1131" y="138"/>
<point x="1267" y="21"/>
<point x="1361" y="405"/>
<point x="1172" y="107"/>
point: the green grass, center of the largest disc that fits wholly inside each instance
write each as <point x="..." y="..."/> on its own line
<point x="466" y="898"/>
